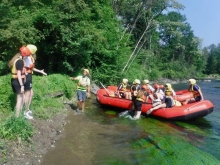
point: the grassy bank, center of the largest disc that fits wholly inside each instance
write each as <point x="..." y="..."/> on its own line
<point x="49" y="93"/>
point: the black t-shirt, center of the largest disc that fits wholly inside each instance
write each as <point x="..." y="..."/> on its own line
<point x="19" y="65"/>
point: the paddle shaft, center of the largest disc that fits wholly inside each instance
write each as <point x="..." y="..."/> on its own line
<point x="105" y="89"/>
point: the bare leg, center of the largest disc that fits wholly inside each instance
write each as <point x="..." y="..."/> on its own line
<point x="151" y="97"/>
<point x="129" y="96"/>
<point x="137" y="116"/>
<point x="155" y="108"/>
<point x="188" y="100"/>
<point x="28" y="98"/>
<point x="79" y="104"/>
<point x="19" y="104"/>
<point x="83" y="106"/>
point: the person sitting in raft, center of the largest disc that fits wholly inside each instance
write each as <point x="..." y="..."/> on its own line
<point x="168" y="102"/>
<point x="122" y="90"/>
<point x="146" y="82"/>
<point x="142" y="96"/>
<point x="162" y="87"/>
<point x="196" y="90"/>
<point x="157" y="95"/>
<point x="169" y="91"/>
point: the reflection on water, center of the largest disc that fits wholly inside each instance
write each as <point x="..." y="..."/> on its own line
<point x="106" y="139"/>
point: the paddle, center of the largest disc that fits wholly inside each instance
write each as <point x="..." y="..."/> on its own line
<point x="109" y="93"/>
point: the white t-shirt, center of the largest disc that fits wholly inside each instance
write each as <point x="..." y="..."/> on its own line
<point x="83" y="80"/>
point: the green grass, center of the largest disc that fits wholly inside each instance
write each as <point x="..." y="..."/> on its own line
<point x="16" y="127"/>
<point x="46" y="102"/>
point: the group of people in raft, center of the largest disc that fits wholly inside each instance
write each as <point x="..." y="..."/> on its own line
<point x="161" y="96"/>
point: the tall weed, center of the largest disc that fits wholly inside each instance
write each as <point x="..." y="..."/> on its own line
<point x="14" y="127"/>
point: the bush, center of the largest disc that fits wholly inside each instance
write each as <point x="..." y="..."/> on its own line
<point x="14" y="127"/>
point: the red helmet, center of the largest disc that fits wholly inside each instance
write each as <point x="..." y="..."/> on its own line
<point x="144" y="87"/>
<point x="156" y="86"/>
<point x="25" y="51"/>
<point x="161" y="86"/>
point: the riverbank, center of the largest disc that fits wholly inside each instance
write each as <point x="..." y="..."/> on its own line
<point x="49" y="112"/>
<point x="47" y="132"/>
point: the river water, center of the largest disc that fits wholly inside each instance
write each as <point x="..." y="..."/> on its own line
<point x="99" y="137"/>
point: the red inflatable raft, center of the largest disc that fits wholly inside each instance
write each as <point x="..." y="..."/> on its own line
<point x="184" y="112"/>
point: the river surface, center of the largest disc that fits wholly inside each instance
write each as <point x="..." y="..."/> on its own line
<point x="99" y="137"/>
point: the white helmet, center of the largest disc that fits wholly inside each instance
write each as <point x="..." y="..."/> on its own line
<point x="192" y="81"/>
<point x="125" y="80"/>
<point x="136" y="81"/>
<point x="32" y="48"/>
<point x="146" y="81"/>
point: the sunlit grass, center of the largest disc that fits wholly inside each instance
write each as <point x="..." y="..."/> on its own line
<point x="49" y="92"/>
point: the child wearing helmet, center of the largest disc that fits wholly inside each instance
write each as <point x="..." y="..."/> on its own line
<point x="30" y="67"/>
<point x="196" y="90"/>
<point x="146" y="82"/>
<point x="168" y="100"/>
<point x="157" y="94"/>
<point x="135" y="88"/>
<point x="142" y="96"/>
<point x="17" y="66"/>
<point x="122" y="91"/>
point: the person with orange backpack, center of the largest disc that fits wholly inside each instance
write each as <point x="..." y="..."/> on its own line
<point x="18" y="79"/>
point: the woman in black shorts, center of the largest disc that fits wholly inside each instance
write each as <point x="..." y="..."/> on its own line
<point x="18" y="77"/>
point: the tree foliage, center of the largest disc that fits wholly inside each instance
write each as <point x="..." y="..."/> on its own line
<point x="112" y="38"/>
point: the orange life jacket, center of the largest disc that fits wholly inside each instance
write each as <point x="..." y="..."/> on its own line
<point x="124" y="88"/>
<point x="191" y="89"/>
<point x="14" y="71"/>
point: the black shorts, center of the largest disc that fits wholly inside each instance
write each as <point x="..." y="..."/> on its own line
<point x="138" y="105"/>
<point x="28" y="83"/>
<point x="169" y="102"/>
<point x="15" y="85"/>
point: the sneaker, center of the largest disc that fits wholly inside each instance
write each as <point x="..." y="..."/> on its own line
<point x="27" y="116"/>
<point x="129" y="116"/>
<point x="29" y="112"/>
<point x="123" y="113"/>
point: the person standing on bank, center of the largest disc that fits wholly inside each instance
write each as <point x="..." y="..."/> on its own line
<point x="83" y="89"/>
<point x="30" y="67"/>
<point x="18" y="77"/>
